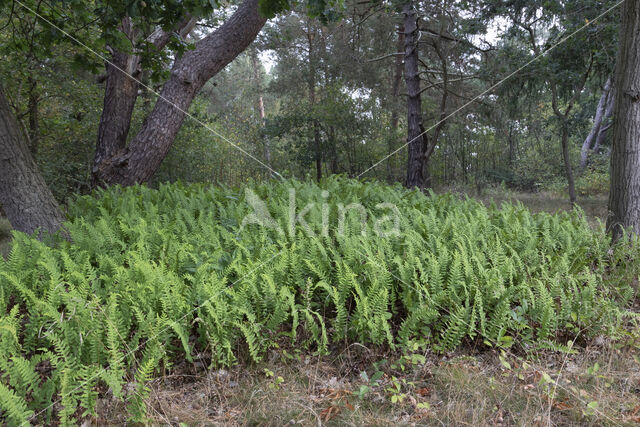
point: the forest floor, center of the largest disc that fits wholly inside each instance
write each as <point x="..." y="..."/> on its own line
<point x="594" y="206"/>
<point x="599" y="385"/>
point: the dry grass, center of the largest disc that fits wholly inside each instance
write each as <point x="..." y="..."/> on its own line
<point x="462" y="388"/>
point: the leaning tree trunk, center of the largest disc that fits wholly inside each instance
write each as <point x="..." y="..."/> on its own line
<point x="607" y="122"/>
<point x="138" y="161"/>
<point x="415" y="163"/>
<point x="590" y="142"/>
<point x="120" y="95"/>
<point x="624" y="197"/>
<point x="24" y="195"/>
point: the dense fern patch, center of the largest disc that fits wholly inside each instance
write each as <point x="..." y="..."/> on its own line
<point x="156" y="276"/>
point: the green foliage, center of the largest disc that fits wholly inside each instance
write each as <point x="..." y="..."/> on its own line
<point x="154" y="277"/>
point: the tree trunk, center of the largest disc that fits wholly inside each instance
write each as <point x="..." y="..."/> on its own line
<point x="257" y="78"/>
<point x="24" y="195"/>
<point x="120" y="95"/>
<point x="589" y="142"/>
<point x="138" y="161"/>
<point x="624" y="197"/>
<point x="567" y="163"/>
<point x="415" y="162"/>
<point x="607" y="122"/>
<point x="397" y="81"/>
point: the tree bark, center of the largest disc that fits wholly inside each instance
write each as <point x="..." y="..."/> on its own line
<point x="417" y="143"/>
<point x="24" y="195"/>
<point x="624" y="197"/>
<point x="120" y="95"/>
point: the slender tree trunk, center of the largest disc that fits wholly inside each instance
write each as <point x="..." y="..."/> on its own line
<point x="415" y="162"/>
<point x="624" y="197"/>
<point x="567" y="163"/>
<point x="257" y="78"/>
<point x="590" y="141"/>
<point x="138" y="161"/>
<point x="24" y="195"/>
<point x="397" y="78"/>
<point x="607" y="122"/>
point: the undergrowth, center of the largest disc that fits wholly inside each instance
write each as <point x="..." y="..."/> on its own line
<point x="154" y="277"/>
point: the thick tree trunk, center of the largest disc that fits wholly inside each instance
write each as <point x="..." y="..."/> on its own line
<point x="120" y="95"/>
<point x="24" y="195"/>
<point x="624" y="197"/>
<point x="138" y="161"/>
<point x="415" y="162"/>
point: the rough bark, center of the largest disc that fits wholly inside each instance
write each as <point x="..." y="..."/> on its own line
<point x="417" y="143"/>
<point x="24" y="195"/>
<point x="120" y="95"/>
<point x="624" y="197"/>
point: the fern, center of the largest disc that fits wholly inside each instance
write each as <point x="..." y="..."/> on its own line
<point x="157" y="276"/>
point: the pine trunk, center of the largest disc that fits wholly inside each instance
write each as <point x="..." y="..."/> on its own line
<point x="24" y="195"/>
<point x="624" y="197"/>
<point x="415" y="162"/>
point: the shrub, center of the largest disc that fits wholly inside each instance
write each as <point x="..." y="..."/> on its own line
<point x="156" y="276"/>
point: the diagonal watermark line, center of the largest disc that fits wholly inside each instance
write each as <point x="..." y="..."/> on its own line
<point x="150" y="89"/>
<point x="496" y="85"/>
